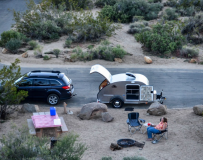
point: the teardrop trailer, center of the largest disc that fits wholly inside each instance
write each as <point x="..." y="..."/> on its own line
<point x="128" y="88"/>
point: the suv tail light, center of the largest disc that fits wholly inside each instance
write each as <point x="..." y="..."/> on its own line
<point x="66" y="87"/>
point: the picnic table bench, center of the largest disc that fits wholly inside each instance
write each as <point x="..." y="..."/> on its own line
<point x="36" y="129"/>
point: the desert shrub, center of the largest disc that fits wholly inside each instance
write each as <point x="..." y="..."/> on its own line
<point x="89" y="28"/>
<point x="125" y="10"/>
<point x="43" y="21"/>
<point x="170" y="14"/>
<point x="137" y="18"/>
<point x="6" y="36"/>
<point x="46" y="57"/>
<point x="134" y="158"/>
<point x="189" y="11"/>
<point x="13" y="45"/>
<point x="193" y="28"/>
<point x="38" y="51"/>
<point x="187" y="52"/>
<point x="106" y="158"/>
<point x="103" y="51"/>
<point x="138" y="27"/>
<point x="68" y="42"/>
<point x="102" y="3"/>
<point x="154" y="1"/>
<point x="75" y="4"/>
<point x="170" y="3"/>
<point x="32" y="44"/>
<point x="56" y="52"/>
<point x="106" y="52"/>
<point x="162" y="38"/>
<point x="19" y="145"/>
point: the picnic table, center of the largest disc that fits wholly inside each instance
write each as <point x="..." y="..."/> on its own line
<point x="43" y="120"/>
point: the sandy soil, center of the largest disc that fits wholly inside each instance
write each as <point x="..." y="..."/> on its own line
<point x="185" y="138"/>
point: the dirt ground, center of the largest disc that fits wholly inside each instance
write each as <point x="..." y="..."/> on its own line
<point x="185" y="138"/>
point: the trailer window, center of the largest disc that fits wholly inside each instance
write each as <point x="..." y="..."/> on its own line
<point x="132" y="92"/>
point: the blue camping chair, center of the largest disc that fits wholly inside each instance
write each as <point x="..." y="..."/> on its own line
<point x="134" y="122"/>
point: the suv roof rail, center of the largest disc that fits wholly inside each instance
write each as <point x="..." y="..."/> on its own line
<point x="46" y="71"/>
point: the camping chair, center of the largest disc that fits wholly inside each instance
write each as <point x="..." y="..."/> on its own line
<point x="134" y="122"/>
<point x="158" y="136"/>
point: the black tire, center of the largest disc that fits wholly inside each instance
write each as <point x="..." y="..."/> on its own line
<point x="53" y="99"/>
<point x="117" y="103"/>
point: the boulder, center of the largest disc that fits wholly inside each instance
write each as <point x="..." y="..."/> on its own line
<point x="106" y="117"/>
<point x="118" y="60"/>
<point x="25" y="55"/>
<point x="157" y="109"/>
<point x="147" y="59"/>
<point x="90" y="109"/>
<point x="28" y="108"/>
<point x="4" y="50"/>
<point x="193" y="61"/>
<point x="67" y="59"/>
<point x="198" y="110"/>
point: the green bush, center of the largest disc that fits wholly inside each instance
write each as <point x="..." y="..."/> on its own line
<point x="134" y="158"/>
<point x="56" y="52"/>
<point x="103" y="51"/>
<point x="6" y="36"/>
<point x="102" y="3"/>
<point x="125" y="10"/>
<point x="33" y="44"/>
<point x="138" y="27"/>
<point x="20" y="145"/>
<point x="68" y="42"/>
<point x="162" y="38"/>
<point x="170" y="14"/>
<point x="46" y="57"/>
<point x="193" y="27"/>
<point x="106" y="158"/>
<point x="75" y="4"/>
<point x="13" y="45"/>
<point x="38" y="51"/>
<point x="90" y="28"/>
<point x="154" y="1"/>
<point x="187" y="52"/>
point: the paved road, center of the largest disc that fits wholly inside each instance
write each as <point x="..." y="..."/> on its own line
<point x="182" y="88"/>
<point x="6" y="16"/>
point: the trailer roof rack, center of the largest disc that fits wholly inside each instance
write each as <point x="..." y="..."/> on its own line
<point x="45" y="71"/>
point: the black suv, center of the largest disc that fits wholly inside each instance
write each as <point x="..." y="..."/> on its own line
<point x="52" y="85"/>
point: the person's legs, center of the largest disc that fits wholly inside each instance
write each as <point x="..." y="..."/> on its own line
<point x="151" y="130"/>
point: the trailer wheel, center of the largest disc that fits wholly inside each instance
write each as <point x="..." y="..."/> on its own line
<point x="117" y="103"/>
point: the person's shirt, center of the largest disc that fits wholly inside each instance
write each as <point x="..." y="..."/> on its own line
<point x="160" y="125"/>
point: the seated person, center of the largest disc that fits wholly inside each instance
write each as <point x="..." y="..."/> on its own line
<point x="156" y="128"/>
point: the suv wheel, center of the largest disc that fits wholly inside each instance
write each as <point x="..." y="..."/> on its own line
<point x="53" y="99"/>
<point x="117" y="103"/>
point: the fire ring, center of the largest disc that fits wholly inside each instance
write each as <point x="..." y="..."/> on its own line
<point x="126" y="142"/>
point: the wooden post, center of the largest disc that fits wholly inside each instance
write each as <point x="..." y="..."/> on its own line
<point x="64" y="105"/>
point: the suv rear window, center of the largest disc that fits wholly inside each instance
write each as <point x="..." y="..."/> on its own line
<point x="66" y="80"/>
<point x="54" y="83"/>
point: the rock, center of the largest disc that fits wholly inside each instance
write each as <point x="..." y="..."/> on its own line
<point x="25" y="55"/>
<point x="106" y="117"/>
<point x="28" y="108"/>
<point x="118" y="60"/>
<point x="157" y="109"/>
<point x="193" y="61"/>
<point x="90" y="109"/>
<point x="198" y="110"/>
<point x="4" y="50"/>
<point x="115" y="146"/>
<point x="147" y="59"/>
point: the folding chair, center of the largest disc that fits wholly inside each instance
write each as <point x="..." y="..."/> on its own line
<point x="158" y="136"/>
<point x="134" y="122"/>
